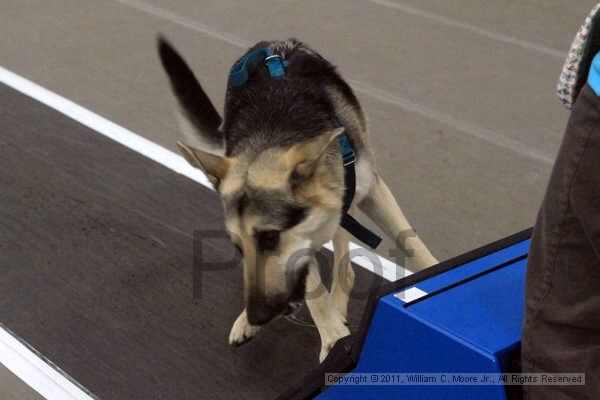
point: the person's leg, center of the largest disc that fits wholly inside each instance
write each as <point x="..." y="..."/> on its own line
<point x="561" y="332"/>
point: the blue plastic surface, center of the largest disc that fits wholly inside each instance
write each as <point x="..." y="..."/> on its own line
<point x="594" y="75"/>
<point x="472" y="327"/>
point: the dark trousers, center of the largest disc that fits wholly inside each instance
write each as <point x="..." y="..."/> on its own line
<point x="561" y="332"/>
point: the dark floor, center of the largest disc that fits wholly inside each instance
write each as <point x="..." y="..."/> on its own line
<point x="96" y="270"/>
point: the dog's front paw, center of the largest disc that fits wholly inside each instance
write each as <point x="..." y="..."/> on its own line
<point x="241" y="331"/>
<point x="328" y="344"/>
<point x="325" y="349"/>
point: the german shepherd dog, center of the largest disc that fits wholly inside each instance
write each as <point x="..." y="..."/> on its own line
<point x="276" y="164"/>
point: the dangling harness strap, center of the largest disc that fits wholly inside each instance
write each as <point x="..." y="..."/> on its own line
<point x="239" y="75"/>
<point x="348" y="222"/>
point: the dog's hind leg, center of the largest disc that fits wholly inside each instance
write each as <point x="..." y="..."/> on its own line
<point x="343" y="274"/>
<point x="327" y="317"/>
<point x="242" y="331"/>
<point x="379" y="205"/>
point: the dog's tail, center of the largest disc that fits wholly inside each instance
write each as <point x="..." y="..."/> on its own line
<point x="200" y="120"/>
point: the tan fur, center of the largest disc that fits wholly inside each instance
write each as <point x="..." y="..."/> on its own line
<point x="269" y="170"/>
<point x="329" y="320"/>
<point x="214" y="166"/>
<point x="319" y="192"/>
<point x="304" y="157"/>
<point x="343" y="274"/>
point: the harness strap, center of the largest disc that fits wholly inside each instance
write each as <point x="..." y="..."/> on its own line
<point x="348" y="222"/>
<point x="360" y="231"/>
<point x="239" y="75"/>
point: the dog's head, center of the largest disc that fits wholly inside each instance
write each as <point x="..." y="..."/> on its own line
<point x="280" y="202"/>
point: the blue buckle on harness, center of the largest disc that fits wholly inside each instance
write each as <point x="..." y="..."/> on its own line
<point x="348" y="155"/>
<point x="238" y="75"/>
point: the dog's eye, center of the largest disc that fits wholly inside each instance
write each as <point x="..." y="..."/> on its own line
<point x="267" y="240"/>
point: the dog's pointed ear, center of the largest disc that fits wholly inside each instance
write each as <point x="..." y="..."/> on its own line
<point x="196" y="107"/>
<point x="304" y="157"/>
<point x="215" y="167"/>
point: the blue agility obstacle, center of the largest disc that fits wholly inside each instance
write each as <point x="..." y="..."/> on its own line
<point x="459" y="318"/>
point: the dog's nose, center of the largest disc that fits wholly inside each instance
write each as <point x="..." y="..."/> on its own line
<point x="260" y="313"/>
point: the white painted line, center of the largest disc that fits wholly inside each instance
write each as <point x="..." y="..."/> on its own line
<point x="499" y="37"/>
<point x="478" y="132"/>
<point x="37" y="373"/>
<point x="374" y="263"/>
<point x="186" y="22"/>
<point x="161" y="155"/>
<point x="410" y="294"/>
<point x="102" y="125"/>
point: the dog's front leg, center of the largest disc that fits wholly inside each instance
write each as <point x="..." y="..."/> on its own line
<point x="379" y="205"/>
<point x="327" y="317"/>
<point x="343" y="274"/>
<point x="242" y="331"/>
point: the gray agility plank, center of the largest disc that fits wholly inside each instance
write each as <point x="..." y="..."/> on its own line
<point x="96" y="270"/>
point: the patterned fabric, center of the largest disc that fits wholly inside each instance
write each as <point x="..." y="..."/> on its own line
<point x="568" y="88"/>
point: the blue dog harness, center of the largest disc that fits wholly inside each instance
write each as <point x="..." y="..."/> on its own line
<point x="238" y="76"/>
